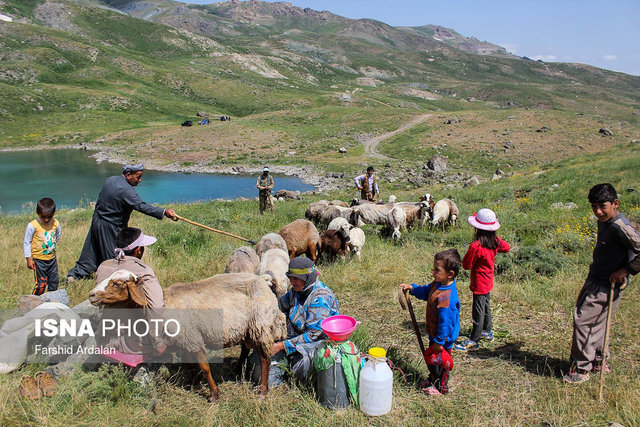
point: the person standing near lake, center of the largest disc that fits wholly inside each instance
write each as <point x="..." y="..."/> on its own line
<point x="616" y="255"/>
<point x="368" y="186"/>
<point x="265" y="185"/>
<point x="39" y="246"/>
<point x="116" y="201"/>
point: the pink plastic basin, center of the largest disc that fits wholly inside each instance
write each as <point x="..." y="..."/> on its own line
<point x="338" y="328"/>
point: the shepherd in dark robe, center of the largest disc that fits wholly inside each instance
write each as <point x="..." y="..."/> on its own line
<point x="113" y="208"/>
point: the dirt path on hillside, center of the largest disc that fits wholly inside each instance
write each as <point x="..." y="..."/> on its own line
<point x="370" y="144"/>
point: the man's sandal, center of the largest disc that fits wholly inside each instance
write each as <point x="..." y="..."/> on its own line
<point x="29" y="389"/>
<point x="46" y="383"/>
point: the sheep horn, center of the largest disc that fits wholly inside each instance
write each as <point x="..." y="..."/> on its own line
<point x="216" y="231"/>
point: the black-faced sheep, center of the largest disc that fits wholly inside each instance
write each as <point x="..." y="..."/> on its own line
<point x="242" y="260"/>
<point x="445" y="212"/>
<point x="270" y="241"/>
<point x="301" y="237"/>
<point x="275" y="263"/>
<point x="335" y="243"/>
<point x="250" y="315"/>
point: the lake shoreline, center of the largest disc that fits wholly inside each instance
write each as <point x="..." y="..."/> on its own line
<point x="307" y="174"/>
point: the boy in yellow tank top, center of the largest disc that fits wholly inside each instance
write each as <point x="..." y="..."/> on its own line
<point x="39" y="246"/>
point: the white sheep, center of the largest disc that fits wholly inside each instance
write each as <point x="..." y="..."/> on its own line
<point x="242" y="260"/>
<point x="397" y="220"/>
<point x="392" y="199"/>
<point x="275" y="263"/>
<point x="248" y="307"/>
<point x="270" y="241"/>
<point x="301" y="237"/>
<point x="445" y="212"/>
<point x="337" y="223"/>
<point x="370" y="213"/>
<point x="356" y="241"/>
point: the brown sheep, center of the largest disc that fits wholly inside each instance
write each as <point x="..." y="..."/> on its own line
<point x="301" y="237"/>
<point x="250" y="315"/>
<point x="335" y="243"/>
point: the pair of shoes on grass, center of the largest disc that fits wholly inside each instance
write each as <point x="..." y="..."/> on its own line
<point x="466" y="345"/>
<point x="41" y="384"/>
<point x="576" y="377"/>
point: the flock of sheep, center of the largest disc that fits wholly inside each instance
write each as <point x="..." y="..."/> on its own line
<point x="253" y="280"/>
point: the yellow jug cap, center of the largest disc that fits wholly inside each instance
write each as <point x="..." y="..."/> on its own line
<point x="377" y="352"/>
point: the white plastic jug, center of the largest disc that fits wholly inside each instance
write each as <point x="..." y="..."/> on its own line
<point x="376" y="384"/>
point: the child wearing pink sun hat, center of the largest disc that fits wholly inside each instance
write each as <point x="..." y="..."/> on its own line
<point x="480" y="259"/>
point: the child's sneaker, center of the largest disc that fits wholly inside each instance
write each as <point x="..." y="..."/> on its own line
<point x="597" y="365"/>
<point x="487" y="336"/>
<point x="466" y="345"/>
<point x="432" y="391"/>
<point x="576" y="377"/>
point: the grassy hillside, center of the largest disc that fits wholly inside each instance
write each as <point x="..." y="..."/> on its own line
<point x="513" y="381"/>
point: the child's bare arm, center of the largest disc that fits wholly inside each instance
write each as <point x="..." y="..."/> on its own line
<point x="31" y="265"/>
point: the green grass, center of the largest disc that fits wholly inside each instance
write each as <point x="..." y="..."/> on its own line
<point x="513" y="381"/>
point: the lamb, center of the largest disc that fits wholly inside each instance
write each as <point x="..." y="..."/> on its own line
<point x="315" y="210"/>
<point x="335" y="242"/>
<point x="270" y="241"/>
<point x="337" y="223"/>
<point x="301" y="237"/>
<point x="356" y="241"/>
<point x="250" y="315"/>
<point x="445" y="212"/>
<point x="242" y="260"/>
<point x="392" y="199"/>
<point x="275" y="263"/>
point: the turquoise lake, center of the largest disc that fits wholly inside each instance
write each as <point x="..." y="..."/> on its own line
<point x="72" y="178"/>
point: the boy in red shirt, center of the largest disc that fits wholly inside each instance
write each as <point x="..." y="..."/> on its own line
<point x="480" y="259"/>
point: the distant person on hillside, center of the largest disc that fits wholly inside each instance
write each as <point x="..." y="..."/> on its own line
<point x="265" y="185"/>
<point x="116" y="201"/>
<point x="480" y="259"/>
<point x="39" y="246"/>
<point x="616" y="255"/>
<point x="442" y="318"/>
<point x="368" y="186"/>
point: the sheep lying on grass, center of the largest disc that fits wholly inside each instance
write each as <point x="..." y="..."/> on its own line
<point x="249" y="308"/>
<point x="301" y="237"/>
<point x="242" y="260"/>
<point x="275" y="263"/>
<point x="270" y="241"/>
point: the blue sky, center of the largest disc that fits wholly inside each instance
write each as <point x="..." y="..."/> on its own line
<point x="602" y="33"/>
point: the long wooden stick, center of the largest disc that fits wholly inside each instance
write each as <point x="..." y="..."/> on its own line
<point x="415" y="323"/>
<point x="606" y="340"/>
<point x="216" y="231"/>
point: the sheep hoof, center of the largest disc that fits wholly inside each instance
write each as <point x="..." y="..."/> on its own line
<point x="213" y="398"/>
